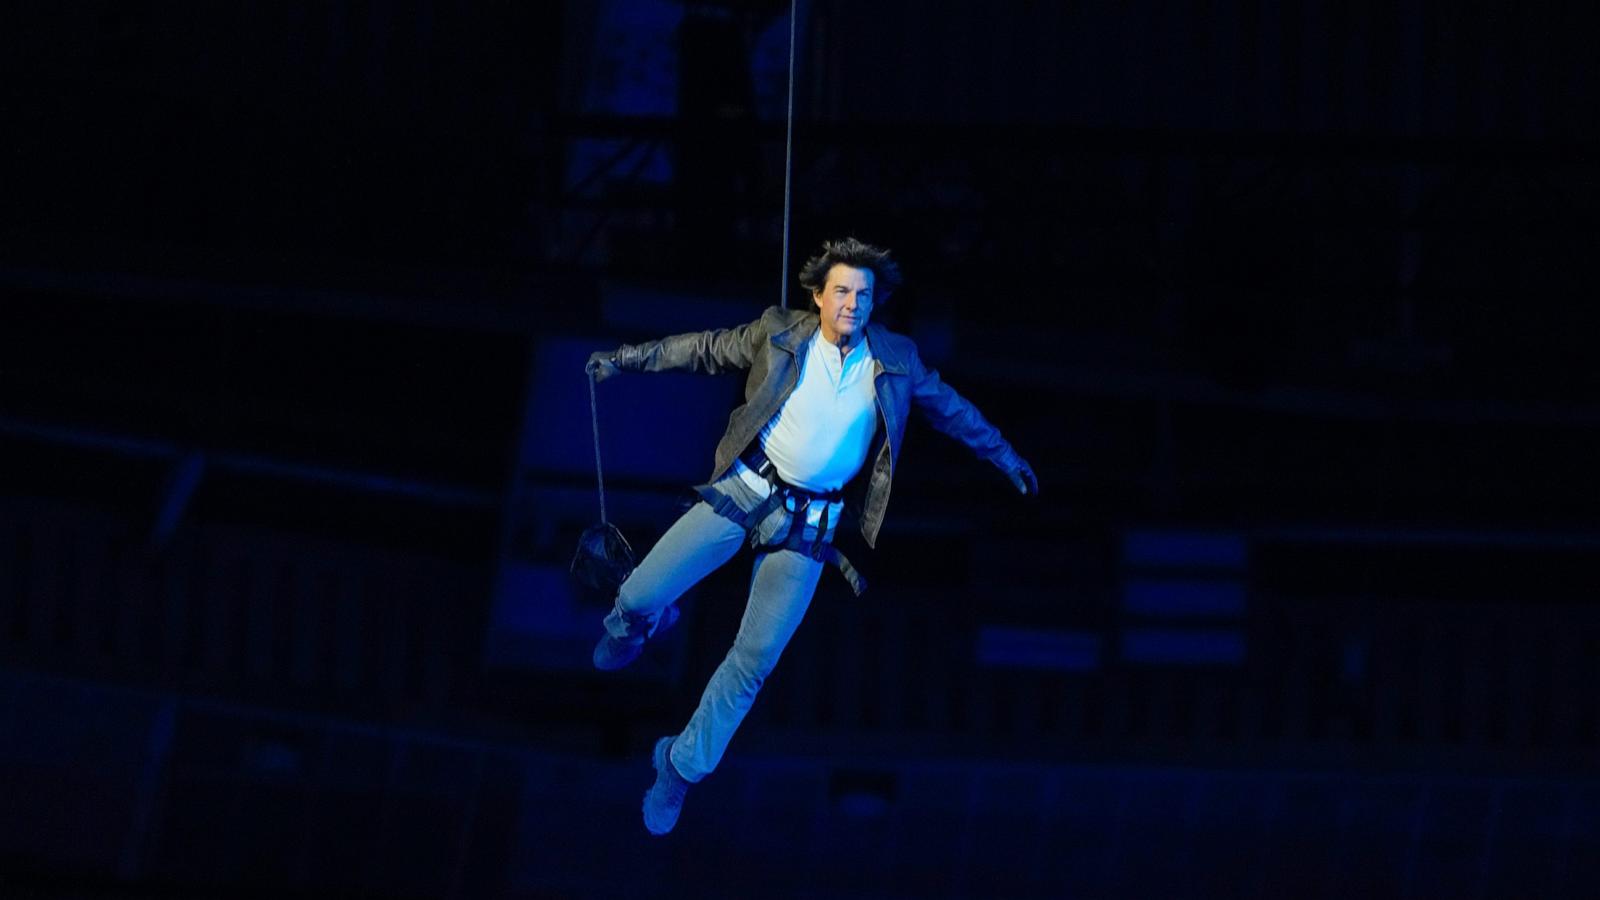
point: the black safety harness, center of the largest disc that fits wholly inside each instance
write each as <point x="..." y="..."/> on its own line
<point x="797" y="502"/>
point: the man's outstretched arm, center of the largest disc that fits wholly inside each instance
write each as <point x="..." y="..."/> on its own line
<point x="712" y="352"/>
<point x="954" y="415"/>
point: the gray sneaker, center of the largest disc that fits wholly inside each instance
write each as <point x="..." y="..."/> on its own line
<point x="613" y="653"/>
<point x="664" y="800"/>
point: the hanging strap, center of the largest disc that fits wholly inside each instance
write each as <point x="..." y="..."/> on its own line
<point x="594" y="418"/>
<point x="858" y="582"/>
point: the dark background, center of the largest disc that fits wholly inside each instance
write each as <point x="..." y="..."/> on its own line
<point x="1289" y="305"/>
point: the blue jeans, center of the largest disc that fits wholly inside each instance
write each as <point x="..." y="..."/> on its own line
<point x="781" y="586"/>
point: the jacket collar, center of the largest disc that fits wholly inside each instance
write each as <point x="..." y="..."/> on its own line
<point x="885" y="344"/>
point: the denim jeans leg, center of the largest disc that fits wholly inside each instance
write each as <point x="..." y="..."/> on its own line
<point x="695" y="545"/>
<point x="780" y="592"/>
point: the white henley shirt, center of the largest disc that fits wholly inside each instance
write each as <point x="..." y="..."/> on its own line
<point x="821" y="434"/>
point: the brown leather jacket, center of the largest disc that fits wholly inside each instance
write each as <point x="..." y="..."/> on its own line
<point x="768" y="349"/>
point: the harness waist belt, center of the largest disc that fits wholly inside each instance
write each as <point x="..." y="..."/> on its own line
<point x="797" y="501"/>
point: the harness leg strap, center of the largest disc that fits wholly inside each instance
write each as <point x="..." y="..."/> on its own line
<point x="792" y="537"/>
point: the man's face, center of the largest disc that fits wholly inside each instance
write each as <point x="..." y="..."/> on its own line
<point x="845" y="302"/>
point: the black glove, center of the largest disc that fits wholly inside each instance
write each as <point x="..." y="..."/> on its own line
<point x="1021" y="475"/>
<point x="602" y="364"/>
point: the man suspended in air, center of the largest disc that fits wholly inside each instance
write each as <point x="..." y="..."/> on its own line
<point x="826" y="400"/>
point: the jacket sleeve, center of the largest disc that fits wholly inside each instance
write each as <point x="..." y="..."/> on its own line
<point x="954" y="415"/>
<point x="712" y="352"/>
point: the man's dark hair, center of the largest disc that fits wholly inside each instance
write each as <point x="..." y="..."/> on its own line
<point x="856" y="254"/>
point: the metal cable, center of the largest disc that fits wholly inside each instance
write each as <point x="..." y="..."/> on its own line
<point x="788" y="163"/>
<point x="594" y="418"/>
